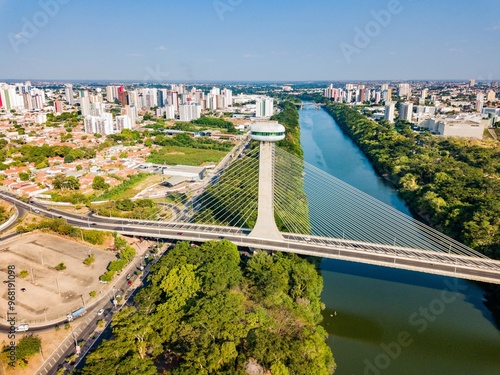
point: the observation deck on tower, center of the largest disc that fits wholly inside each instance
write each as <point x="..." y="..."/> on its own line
<point x="266" y="133"/>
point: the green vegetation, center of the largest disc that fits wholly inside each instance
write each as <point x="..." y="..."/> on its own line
<point x="123" y="190"/>
<point x="289" y="118"/>
<point x="70" y="118"/>
<point x="95" y="237"/>
<point x="26" y="348"/>
<point x="89" y="260"/>
<point x="453" y="183"/>
<point x="204" y="312"/>
<point x="60" y="267"/>
<point x="172" y="155"/>
<point x="223" y="208"/>
<point x="60" y="226"/>
<point x="127" y="208"/>
<point x="99" y="183"/>
<point x="23" y="274"/>
<point x="4" y="214"/>
<point x="92" y="293"/>
<point x="63" y="182"/>
<point x="39" y="155"/>
<point x="126" y="254"/>
<point x="212" y="122"/>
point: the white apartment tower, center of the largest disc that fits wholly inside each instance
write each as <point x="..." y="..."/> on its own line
<point x="264" y="107"/>
<point x="389" y="111"/>
<point x="406" y="111"/>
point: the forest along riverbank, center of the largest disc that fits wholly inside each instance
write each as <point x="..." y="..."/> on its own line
<point x="388" y="321"/>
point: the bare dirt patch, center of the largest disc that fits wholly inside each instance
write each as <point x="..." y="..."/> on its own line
<point x="46" y="294"/>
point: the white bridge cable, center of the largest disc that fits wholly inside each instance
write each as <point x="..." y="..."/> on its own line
<point x="350" y="207"/>
<point x="440" y="241"/>
<point x="425" y="239"/>
<point x="240" y="199"/>
<point x="388" y="222"/>
<point x="402" y="228"/>
<point x="237" y="197"/>
<point x="201" y="200"/>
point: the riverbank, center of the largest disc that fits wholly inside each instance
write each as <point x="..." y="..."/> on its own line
<point x="372" y="305"/>
<point x="453" y="183"/>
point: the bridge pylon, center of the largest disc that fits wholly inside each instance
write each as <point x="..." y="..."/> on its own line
<point x="266" y="133"/>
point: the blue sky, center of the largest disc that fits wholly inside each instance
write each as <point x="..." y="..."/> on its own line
<point x="250" y="39"/>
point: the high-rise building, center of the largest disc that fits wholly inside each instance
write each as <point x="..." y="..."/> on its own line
<point x="123" y="122"/>
<point x="58" y="106"/>
<point x="387" y="95"/>
<point x="404" y="90"/>
<point x="68" y="93"/>
<point x="227" y="98"/>
<point x="472" y="82"/>
<point x="211" y="102"/>
<point x="424" y="94"/>
<point x="188" y="112"/>
<point x="96" y="109"/>
<point x="99" y="124"/>
<point x="264" y="107"/>
<point x="389" y="111"/>
<point x="85" y="105"/>
<point x="479" y="101"/>
<point x="406" y="111"/>
<point x="124" y="98"/>
<point x="169" y="112"/>
<point x="491" y="97"/>
<point x="130" y="111"/>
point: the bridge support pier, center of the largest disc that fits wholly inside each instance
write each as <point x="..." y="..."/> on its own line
<point x="265" y="227"/>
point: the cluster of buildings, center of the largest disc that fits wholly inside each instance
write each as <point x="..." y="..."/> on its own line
<point x="95" y="104"/>
<point x="458" y="110"/>
<point x="24" y="111"/>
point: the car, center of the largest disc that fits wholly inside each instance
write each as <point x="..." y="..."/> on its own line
<point x="22" y="328"/>
<point x="93" y="223"/>
<point x="100" y="312"/>
<point x="37" y="211"/>
<point x="129" y="276"/>
<point x="129" y="282"/>
<point x="180" y="233"/>
<point x="59" y="217"/>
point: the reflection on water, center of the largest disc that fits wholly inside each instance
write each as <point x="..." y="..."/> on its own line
<point x="369" y="307"/>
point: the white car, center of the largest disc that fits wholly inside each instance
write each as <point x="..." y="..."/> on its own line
<point x="100" y="312"/>
<point x="22" y="328"/>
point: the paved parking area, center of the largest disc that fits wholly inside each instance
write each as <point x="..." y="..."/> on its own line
<point x="46" y="294"/>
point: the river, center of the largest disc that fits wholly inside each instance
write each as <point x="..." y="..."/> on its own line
<point x="387" y="321"/>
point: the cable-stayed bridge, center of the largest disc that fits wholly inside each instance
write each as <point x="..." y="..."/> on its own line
<point x="331" y="219"/>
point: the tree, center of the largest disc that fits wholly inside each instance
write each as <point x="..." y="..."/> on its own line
<point x="23" y="176"/>
<point x="127" y="254"/>
<point x="89" y="260"/>
<point x="26" y="348"/>
<point x="99" y="183"/>
<point x="60" y="267"/>
<point x="23" y="274"/>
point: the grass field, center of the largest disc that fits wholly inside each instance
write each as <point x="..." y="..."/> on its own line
<point x="131" y="190"/>
<point x="173" y="155"/>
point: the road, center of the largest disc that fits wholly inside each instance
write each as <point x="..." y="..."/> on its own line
<point x="440" y="263"/>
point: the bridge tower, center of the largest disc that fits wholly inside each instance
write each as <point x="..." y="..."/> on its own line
<point x="266" y="133"/>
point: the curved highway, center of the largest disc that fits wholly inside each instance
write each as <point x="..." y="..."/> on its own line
<point x="440" y="263"/>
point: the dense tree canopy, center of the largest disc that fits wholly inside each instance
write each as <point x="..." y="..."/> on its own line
<point x="453" y="183"/>
<point x="205" y="312"/>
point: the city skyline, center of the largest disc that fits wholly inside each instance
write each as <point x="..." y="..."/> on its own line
<point x="237" y="40"/>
